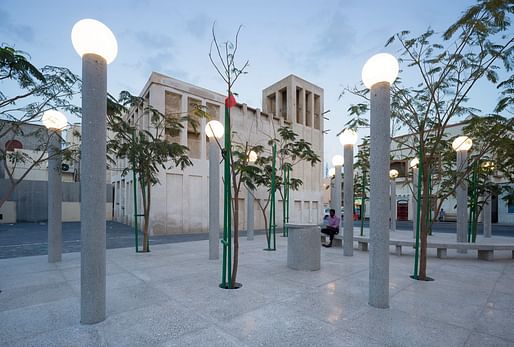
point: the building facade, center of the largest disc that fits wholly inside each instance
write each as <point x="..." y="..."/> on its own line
<point x="179" y="203"/>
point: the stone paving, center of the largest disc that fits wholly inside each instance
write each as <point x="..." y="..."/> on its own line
<point x="170" y="297"/>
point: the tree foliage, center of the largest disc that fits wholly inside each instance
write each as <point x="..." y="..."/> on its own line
<point x="27" y="92"/>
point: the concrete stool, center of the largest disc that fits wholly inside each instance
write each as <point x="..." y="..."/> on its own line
<point x="303" y="247"/>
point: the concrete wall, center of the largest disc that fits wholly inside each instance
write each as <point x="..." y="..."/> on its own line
<point x="31" y="201"/>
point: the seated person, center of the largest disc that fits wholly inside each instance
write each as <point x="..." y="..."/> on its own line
<point x="332" y="226"/>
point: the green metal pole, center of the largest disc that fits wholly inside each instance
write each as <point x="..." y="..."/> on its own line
<point x="134" y="182"/>
<point x="285" y="202"/>
<point x="226" y="280"/>
<point x="363" y="202"/>
<point x="418" y="215"/>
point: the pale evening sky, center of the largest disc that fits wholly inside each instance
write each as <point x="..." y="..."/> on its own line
<point x="325" y="42"/>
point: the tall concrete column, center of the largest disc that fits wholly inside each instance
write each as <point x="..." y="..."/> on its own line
<point x="348" y="201"/>
<point x="380" y="142"/>
<point x="249" y="214"/>
<point x="337" y="191"/>
<point x="54" y="198"/>
<point x="487" y="216"/>
<point x="462" y="200"/>
<point x="414" y="200"/>
<point x="392" y="216"/>
<point x="93" y="189"/>
<point x="214" y="200"/>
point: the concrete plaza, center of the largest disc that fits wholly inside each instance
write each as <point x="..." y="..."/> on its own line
<point x="170" y="297"/>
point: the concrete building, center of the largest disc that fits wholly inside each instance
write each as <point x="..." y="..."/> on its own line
<point x="179" y="203"/>
<point x="29" y="201"/>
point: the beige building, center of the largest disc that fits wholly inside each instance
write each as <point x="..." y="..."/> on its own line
<point x="179" y="203"/>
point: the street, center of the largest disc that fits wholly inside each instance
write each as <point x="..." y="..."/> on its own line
<point x="27" y="239"/>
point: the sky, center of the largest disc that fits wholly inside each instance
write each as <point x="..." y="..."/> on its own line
<point x="325" y="42"/>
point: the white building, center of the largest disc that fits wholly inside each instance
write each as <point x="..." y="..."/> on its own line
<point x="179" y="204"/>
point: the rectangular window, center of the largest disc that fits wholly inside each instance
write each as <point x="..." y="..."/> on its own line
<point x="317" y="111"/>
<point x="510" y="208"/>
<point x="172" y="109"/>
<point x="193" y="128"/>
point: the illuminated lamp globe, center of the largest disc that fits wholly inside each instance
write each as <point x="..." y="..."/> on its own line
<point x="414" y="163"/>
<point x="337" y="160"/>
<point x="90" y="36"/>
<point x="332" y="172"/>
<point x="382" y="67"/>
<point x="393" y="174"/>
<point x="252" y="157"/>
<point x="54" y="120"/>
<point x="215" y="129"/>
<point x="462" y="143"/>
<point x="488" y="165"/>
<point x="348" y="137"/>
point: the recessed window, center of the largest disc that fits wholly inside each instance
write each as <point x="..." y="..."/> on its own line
<point x="11" y="145"/>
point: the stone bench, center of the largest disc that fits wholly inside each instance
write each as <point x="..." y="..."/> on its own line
<point x="337" y="242"/>
<point x="484" y="251"/>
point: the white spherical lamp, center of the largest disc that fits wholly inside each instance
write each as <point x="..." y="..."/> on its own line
<point x="252" y="157"/>
<point x="348" y="137"/>
<point x="337" y="160"/>
<point x="215" y="129"/>
<point x="90" y="36"/>
<point x="54" y="120"/>
<point x="393" y="174"/>
<point x="414" y="163"/>
<point x="382" y="67"/>
<point x="332" y="172"/>
<point x="462" y="143"/>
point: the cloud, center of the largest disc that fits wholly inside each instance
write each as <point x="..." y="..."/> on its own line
<point x="153" y="40"/>
<point x="23" y="32"/>
<point x="335" y="39"/>
<point x="198" y="25"/>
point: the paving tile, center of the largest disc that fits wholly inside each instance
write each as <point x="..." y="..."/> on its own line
<point x="481" y="340"/>
<point x="212" y="337"/>
<point x="75" y="336"/>
<point x="499" y="323"/>
<point x="13" y="298"/>
<point x="395" y="327"/>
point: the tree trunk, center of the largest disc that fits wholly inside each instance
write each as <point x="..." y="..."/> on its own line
<point x="146" y="211"/>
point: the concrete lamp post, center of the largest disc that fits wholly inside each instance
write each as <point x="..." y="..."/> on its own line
<point x="462" y="145"/>
<point x="377" y="74"/>
<point x="332" y="173"/>
<point x="337" y="161"/>
<point x="393" y="174"/>
<point x="214" y="131"/>
<point x="54" y="121"/>
<point x="415" y="183"/>
<point x="252" y="158"/>
<point x="488" y="167"/>
<point x="97" y="46"/>
<point x="348" y="139"/>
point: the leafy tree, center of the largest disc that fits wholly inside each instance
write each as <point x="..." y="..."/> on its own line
<point x="290" y="151"/>
<point x="223" y="59"/>
<point x="27" y="92"/>
<point x="472" y="50"/>
<point x="147" y="150"/>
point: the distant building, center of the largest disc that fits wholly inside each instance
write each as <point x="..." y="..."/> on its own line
<point x="29" y="202"/>
<point x="179" y="203"/>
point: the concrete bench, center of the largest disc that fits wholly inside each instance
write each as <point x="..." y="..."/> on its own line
<point x="337" y="242"/>
<point x="484" y="251"/>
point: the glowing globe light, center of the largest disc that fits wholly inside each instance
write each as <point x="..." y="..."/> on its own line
<point x="382" y="67"/>
<point x="332" y="172"/>
<point x="252" y="157"/>
<point x="462" y="143"/>
<point x="90" y="36"/>
<point x="337" y="160"/>
<point x="393" y="174"/>
<point x="414" y="163"/>
<point x="348" y="137"/>
<point x="215" y="129"/>
<point x="54" y="120"/>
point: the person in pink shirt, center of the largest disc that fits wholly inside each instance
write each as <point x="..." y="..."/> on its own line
<point x="332" y="226"/>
